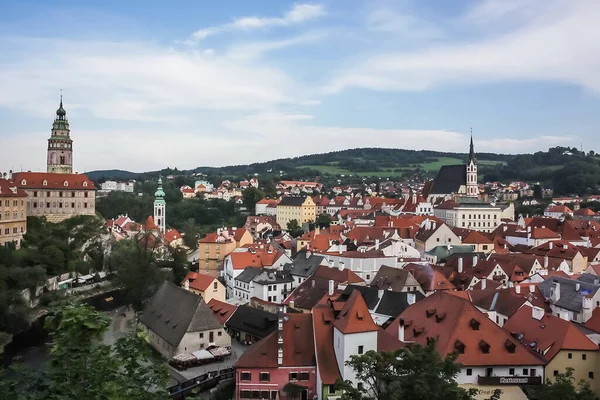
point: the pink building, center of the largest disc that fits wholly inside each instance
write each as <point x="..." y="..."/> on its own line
<point x="284" y="358"/>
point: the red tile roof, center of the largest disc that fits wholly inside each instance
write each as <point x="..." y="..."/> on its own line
<point x="150" y="224"/>
<point x="548" y="335"/>
<point x="558" y="209"/>
<point x="323" y="319"/>
<point x="355" y="316"/>
<point x="475" y="237"/>
<point x="35" y="180"/>
<point x="458" y="324"/>
<point x="8" y="188"/>
<point x="298" y="346"/>
<point x="585" y="212"/>
<point x="172" y="235"/>
<point x="221" y="310"/>
<point x="198" y="281"/>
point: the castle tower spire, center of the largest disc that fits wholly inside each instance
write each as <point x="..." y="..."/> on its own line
<point x="160" y="207"/>
<point x="472" y="188"/>
<point x="60" y="145"/>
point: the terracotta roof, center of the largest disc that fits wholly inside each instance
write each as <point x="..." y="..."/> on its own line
<point x="298" y="346"/>
<point x="243" y="259"/>
<point x="594" y="322"/>
<point x="172" y="235"/>
<point x="221" y="309"/>
<point x="548" y="335"/>
<point x="8" y="188"/>
<point x="558" y="209"/>
<point x="355" y="316"/>
<point x="475" y="237"/>
<point x="267" y="201"/>
<point x="585" y="212"/>
<point x="198" y="281"/>
<point x="35" y="180"/>
<point x="339" y="275"/>
<point x="458" y="324"/>
<point x="429" y="277"/>
<point x="323" y="319"/>
<point x="150" y="224"/>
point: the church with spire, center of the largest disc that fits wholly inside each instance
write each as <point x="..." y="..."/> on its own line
<point x="454" y="180"/>
<point x="60" y="145"/>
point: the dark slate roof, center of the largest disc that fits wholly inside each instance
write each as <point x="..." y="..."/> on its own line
<point x="248" y="274"/>
<point x="370" y="295"/>
<point x="570" y="298"/>
<point x="589" y="278"/>
<point x="295" y="201"/>
<point x="173" y="311"/>
<point x="252" y="320"/>
<point x="303" y="266"/>
<point x="449" y="179"/>
<point x="268" y="276"/>
<point x="390" y="278"/>
<point x="394" y="303"/>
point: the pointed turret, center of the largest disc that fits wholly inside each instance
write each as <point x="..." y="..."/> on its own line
<point x="471" y="150"/>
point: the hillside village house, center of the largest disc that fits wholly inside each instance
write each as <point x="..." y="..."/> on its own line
<point x="301" y="209"/>
<point x="473" y="214"/>
<point x="207" y="286"/>
<point x="262" y="206"/>
<point x="13" y="213"/>
<point x="213" y="248"/>
<point x="433" y="234"/>
<point x="178" y="321"/>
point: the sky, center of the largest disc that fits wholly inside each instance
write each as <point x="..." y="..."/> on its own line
<point x="187" y="83"/>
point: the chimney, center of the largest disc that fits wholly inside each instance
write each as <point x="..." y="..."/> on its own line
<point x="313" y="283"/>
<point x="411" y="298"/>
<point x="401" y="330"/>
<point x="550" y="245"/>
<point x="577" y="286"/>
<point x="483" y="284"/>
<point x="460" y="265"/>
<point x="475" y="259"/>
<point x="529" y="229"/>
<point x="537" y="313"/>
<point x="280" y="336"/>
<point x="10" y="172"/>
<point x="555" y="292"/>
<point x="376" y="244"/>
<point x="341" y="265"/>
<point x="531" y="288"/>
<point x="330" y="263"/>
<point x="186" y="285"/>
<point x="331" y="287"/>
<point x="292" y="303"/>
<point x="546" y="261"/>
<point x="518" y="289"/>
<point x="308" y="253"/>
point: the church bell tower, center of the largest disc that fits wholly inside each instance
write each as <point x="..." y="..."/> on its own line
<point x="60" y="145"/>
<point x="472" y="188"/>
<point x="159" y="207"/>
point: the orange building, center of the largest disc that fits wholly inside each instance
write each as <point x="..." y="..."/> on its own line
<point x="13" y="213"/>
<point x="213" y="248"/>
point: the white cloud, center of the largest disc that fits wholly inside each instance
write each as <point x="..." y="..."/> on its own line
<point x="558" y="44"/>
<point x="390" y="21"/>
<point x="250" y="50"/>
<point x="298" y="14"/>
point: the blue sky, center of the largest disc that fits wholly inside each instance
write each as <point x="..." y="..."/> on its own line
<point x="149" y="84"/>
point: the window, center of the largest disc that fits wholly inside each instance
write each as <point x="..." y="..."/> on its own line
<point x="584" y="356"/>
<point x="570" y="355"/>
<point x="511" y="371"/>
<point x="265" y="377"/>
<point x="360" y="349"/>
<point x="331" y="389"/>
<point x="246" y="376"/>
<point x="525" y="372"/>
<point x="293" y="376"/>
<point x="469" y="372"/>
<point x="591" y="375"/>
<point x="220" y="333"/>
<point x="304" y="376"/>
<point x="201" y="335"/>
<point x="274" y="394"/>
<point x="555" y="372"/>
<point x="215" y="285"/>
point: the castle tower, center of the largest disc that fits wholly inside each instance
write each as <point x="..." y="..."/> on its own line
<point x="159" y="207"/>
<point x="60" y="145"/>
<point x="472" y="189"/>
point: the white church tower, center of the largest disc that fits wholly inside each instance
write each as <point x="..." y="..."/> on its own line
<point x="472" y="188"/>
<point x="159" y="207"/>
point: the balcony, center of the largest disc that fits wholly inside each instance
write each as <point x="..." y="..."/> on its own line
<point x="509" y="380"/>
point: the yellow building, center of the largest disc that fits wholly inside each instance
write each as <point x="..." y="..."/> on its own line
<point x="213" y="248"/>
<point x="207" y="286"/>
<point x="302" y="209"/>
<point x="559" y="342"/>
<point x="13" y="213"/>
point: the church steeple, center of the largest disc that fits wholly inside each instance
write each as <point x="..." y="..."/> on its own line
<point x="160" y="207"/>
<point x="60" y="145"/>
<point x="472" y="188"/>
<point x="471" y="149"/>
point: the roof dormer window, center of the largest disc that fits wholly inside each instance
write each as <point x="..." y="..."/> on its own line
<point x="484" y="346"/>
<point x="23" y="182"/>
<point x="474" y="324"/>
<point x="430" y="312"/>
<point x="65" y="183"/>
<point x="460" y="347"/>
<point x="84" y="184"/>
<point x="45" y="183"/>
<point x="510" y="346"/>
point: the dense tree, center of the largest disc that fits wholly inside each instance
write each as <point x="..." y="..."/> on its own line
<point x="137" y="270"/>
<point x="294" y="228"/>
<point x="190" y="233"/>
<point x="82" y="367"/>
<point x="323" y="220"/>
<point x="563" y="388"/>
<point x="417" y="372"/>
<point x="250" y="197"/>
